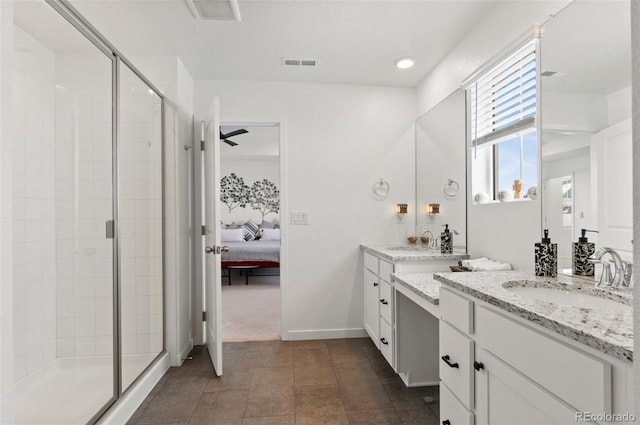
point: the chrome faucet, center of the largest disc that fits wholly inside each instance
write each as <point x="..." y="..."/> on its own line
<point x="623" y="269"/>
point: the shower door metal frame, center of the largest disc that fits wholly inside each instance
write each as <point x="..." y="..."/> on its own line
<point x="79" y="22"/>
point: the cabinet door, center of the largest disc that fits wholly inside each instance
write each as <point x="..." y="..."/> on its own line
<point x="456" y="363"/>
<point x="452" y="412"/>
<point x="372" y="306"/>
<point x="506" y="397"/>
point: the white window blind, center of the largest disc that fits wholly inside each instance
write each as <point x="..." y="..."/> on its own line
<point x="503" y="100"/>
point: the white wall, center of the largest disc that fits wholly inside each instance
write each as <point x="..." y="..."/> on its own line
<point x="6" y="216"/>
<point x="340" y="140"/>
<point x="184" y="201"/>
<point x="491" y="227"/>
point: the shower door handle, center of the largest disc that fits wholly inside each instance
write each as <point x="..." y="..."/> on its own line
<point x="110" y="232"/>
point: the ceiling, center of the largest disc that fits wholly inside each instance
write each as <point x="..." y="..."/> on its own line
<point x="588" y="44"/>
<point x="354" y="42"/>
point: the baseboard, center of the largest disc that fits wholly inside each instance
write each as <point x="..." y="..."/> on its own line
<point x="125" y="407"/>
<point x="325" y="334"/>
<point x="185" y="352"/>
<point x="405" y="379"/>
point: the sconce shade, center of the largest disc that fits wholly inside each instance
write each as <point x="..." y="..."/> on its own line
<point x="433" y="209"/>
<point x="401" y="208"/>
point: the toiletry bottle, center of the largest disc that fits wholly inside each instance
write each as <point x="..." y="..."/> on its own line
<point x="582" y="250"/>
<point x="546" y="256"/>
<point x="446" y="241"/>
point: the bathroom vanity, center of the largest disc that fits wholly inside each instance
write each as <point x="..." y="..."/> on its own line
<point x="519" y="349"/>
<point x="401" y="313"/>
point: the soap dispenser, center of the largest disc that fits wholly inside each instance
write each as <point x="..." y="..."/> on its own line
<point x="582" y="250"/>
<point x="546" y="256"/>
<point x="446" y="241"/>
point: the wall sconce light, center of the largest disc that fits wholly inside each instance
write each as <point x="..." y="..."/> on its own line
<point x="401" y="208"/>
<point x="433" y="209"/>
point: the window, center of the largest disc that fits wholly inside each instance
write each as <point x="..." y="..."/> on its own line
<point x="503" y="109"/>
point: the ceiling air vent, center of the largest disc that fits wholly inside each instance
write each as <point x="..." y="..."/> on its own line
<point x="219" y="10"/>
<point x="310" y="63"/>
<point x="554" y="74"/>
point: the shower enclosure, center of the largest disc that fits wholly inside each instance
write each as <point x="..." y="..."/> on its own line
<point x="87" y="218"/>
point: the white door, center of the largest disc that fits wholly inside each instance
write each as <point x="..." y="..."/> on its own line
<point x="614" y="200"/>
<point x="212" y="269"/>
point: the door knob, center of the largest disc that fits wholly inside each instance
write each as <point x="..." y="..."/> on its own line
<point x="216" y="249"/>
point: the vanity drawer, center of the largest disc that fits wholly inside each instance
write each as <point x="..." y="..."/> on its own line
<point x="456" y="363"/>
<point x="386" y="268"/>
<point x="371" y="262"/>
<point x="580" y="379"/>
<point x="456" y="310"/>
<point x="452" y="410"/>
<point x="387" y="341"/>
<point x="386" y="302"/>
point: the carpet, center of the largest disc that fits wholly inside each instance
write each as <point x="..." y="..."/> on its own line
<point x="251" y="312"/>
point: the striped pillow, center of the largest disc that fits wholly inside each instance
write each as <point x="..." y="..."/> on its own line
<point x="250" y="230"/>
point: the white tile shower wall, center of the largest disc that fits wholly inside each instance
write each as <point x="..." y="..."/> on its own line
<point x="83" y="179"/>
<point x="34" y="245"/>
<point x="140" y="194"/>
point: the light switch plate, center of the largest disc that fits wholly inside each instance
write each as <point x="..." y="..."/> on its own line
<point x="299" y="217"/>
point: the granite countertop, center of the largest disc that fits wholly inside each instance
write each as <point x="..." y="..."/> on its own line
<point x="406" y="252"/>
<point x="609" y="331"/>
<point x="420" y="283"/>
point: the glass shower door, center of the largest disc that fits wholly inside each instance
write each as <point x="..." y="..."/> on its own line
<point x="140" y="218"/>
<point x="62" y="104"/>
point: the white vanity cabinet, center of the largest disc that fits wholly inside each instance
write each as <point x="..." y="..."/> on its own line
<point x="498" y="368"/>
<point x="379" y="305"/>
<point x="402" y="325"/>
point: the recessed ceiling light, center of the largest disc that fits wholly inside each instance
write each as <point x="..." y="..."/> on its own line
<point x="406" y="62"/>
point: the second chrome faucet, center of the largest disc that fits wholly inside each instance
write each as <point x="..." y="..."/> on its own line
<point x="622" y="273"/>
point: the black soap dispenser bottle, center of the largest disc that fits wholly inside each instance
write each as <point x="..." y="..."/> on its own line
<point x="446" y="241"/>
<point x="582" y="250"/>
<point x="546" y="256"/>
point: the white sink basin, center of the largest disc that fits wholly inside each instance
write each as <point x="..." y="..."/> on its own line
<point x="561" y="296"/>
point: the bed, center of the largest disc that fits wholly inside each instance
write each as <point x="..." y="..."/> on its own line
<point x="250" y="255"/>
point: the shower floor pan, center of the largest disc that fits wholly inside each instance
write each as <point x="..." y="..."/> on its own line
<point x="70" y="391"/>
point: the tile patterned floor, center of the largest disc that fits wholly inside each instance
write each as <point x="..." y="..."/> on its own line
<point x="323" y="382"/>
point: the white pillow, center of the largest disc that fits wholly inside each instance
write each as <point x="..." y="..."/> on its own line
<point x="270" y="235"/>
<point x="231" y="235"/>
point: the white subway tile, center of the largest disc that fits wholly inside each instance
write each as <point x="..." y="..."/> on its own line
<point x="85" y="346"/>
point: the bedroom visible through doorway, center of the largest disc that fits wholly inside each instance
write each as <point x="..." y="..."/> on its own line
<point x="250" y="209"/>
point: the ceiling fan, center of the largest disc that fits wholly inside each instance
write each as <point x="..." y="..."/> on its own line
<point x="225" y="137"/>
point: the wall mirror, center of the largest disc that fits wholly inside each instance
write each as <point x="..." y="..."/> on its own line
<point x="441" y="170"/>
<point x="585" y="109"/>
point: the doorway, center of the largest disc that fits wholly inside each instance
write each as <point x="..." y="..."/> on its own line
<point x="254" y="306"/>
<point x="250" y="214"/>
